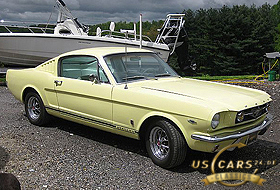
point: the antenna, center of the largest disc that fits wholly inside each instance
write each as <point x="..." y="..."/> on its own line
<point x="140" y="28"/>
<point x="49" y="20"/>
<point x="125" y="61"/>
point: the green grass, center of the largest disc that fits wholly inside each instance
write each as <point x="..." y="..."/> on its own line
<point x="208" y="77"/>
<point x="2" y="79"/>
<point x="205" y="77"/>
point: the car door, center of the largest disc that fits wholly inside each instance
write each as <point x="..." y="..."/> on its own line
<point x="83" y="91"/>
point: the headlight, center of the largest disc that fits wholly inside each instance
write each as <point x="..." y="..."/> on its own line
<point x="240" y="116"/>
<point x="215" y="120"/>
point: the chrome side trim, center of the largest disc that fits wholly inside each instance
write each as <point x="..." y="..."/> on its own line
<point x="218" y="138"/>
<point x="94" y="121"/>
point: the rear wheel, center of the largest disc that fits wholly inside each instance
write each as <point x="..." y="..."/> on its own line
<point x="35" y="109"/>
<point x="165" y="144"/>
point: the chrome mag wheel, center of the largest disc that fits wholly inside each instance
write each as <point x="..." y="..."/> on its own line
<point x="165" y="144"/>
<point x="159" y="143"/>
<point x="33" y="107"/>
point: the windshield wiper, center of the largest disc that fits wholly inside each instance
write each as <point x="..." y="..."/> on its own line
<point x="134" y="78"/>
<point x="163" y="75"/>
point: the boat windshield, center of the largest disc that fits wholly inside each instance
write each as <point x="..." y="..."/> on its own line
<point x="138" y="66"/>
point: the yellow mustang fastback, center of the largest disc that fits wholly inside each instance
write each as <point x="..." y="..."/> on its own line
<point x="132" y="92"/>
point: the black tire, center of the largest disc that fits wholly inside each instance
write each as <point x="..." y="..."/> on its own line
<point x="35" y="109"/>
<point x="170" y="148"/>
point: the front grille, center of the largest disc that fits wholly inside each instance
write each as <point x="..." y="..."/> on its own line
<point x="254" y="113"/>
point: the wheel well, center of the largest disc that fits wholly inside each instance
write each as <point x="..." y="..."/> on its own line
<point x="26" y="91"/>
<point x="144" y="126"/>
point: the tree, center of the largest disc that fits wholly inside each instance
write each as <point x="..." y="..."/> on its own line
<point x="230" y="40"/>
<point x="225" y="41"/>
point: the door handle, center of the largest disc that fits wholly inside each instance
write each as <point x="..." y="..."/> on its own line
<point x="58" y="83"/>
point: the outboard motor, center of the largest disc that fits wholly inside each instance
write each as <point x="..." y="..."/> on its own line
<point x="175" y="36"/>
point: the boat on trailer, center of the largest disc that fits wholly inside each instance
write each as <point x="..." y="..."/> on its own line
<point x="42" y="43"/>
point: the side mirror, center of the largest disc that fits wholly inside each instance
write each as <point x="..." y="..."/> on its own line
<point x="93" y="78"/>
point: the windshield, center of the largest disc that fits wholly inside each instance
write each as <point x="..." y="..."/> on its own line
<point x="135" y="66"/>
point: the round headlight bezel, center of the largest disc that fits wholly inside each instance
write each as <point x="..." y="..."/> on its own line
<point x="215" y="121"/>
<point x="240" y="117"/>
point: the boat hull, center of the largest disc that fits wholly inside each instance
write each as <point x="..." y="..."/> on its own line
<point x="31" y="50"/>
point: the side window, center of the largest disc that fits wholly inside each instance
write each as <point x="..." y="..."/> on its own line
<point x="82" y="68"/>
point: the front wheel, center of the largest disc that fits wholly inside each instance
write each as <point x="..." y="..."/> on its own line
<point x="165" y="144"/>
<point x="35" y="109"/>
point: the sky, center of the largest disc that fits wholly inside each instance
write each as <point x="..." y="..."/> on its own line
<point x="100" y="11"/>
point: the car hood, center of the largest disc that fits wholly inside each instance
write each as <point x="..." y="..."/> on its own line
<point x="231" y="97"/>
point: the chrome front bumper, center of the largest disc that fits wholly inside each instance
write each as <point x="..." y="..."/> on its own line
<point x="218" y="138"/>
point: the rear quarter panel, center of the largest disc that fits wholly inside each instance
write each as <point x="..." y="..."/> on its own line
<point x="42" y="82"/>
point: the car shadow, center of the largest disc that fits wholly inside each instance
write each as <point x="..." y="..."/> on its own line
<point x="4" y="158"/>
<point x="117" y="141"/>
<point x="261" y="150"/>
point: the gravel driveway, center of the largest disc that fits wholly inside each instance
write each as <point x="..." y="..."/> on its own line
<point x="66" y="155"/>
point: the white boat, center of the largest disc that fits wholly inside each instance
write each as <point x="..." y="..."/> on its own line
<point x="39" y="45"/>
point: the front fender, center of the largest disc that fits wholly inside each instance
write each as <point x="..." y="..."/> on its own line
<point x="186" y="125"/>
